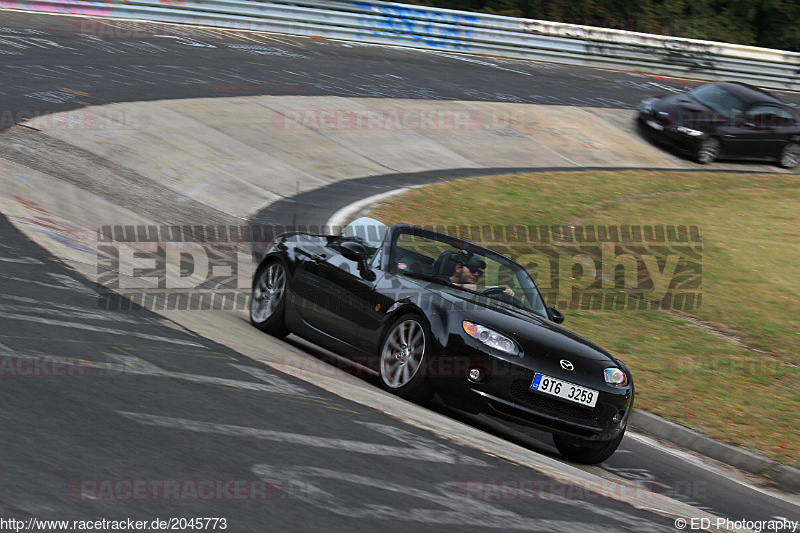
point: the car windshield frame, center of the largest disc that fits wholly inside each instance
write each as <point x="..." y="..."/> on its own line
<point x="498" y="267"/>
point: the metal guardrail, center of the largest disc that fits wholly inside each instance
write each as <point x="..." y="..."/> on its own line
<point x="428" y="28"/>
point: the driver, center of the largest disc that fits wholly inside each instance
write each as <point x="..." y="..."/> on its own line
<point x="468" y="271"/>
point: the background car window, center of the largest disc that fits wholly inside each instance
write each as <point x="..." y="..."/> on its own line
<point x="769" y="117"/>
<point x="718" y="99"/>
<point x="785" y="118"/>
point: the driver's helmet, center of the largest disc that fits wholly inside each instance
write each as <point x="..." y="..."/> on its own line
<point x="367" y="230"/>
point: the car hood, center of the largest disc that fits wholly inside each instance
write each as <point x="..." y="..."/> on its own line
<point x="535" y="333"/>
<point x="678" y="101"/>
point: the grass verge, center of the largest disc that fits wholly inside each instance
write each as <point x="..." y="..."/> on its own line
<point x="728" y="368"/>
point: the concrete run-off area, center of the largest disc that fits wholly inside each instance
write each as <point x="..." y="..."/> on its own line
<point x="238" y="155"/>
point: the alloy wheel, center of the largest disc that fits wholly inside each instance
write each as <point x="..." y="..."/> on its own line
<point x="268" y="292"/>
<point x="708" y="151"/>
<point x="402" y="353"/>
<point x="790" y="157"/>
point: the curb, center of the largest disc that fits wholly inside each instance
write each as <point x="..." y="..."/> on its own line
<point x="785" y="476"/>
<point x="348" y="212"/>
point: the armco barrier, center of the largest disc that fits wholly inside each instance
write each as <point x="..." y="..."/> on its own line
<point x="460" y="31"/>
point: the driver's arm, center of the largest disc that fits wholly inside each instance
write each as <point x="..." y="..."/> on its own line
<point x="507" y="289"/>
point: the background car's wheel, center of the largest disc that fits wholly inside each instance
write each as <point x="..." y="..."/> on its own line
<point x="404" y="359"/>
<point x="708" y="151"/>
<point x="268" y="298"/>
<point x="790" y="156"/>
<point x="574" y="450"/>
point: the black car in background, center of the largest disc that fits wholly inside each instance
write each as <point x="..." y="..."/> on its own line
<point x="388" y="297"/>
<point x="725" y="120"/>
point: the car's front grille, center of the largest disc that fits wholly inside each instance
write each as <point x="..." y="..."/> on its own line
<point x="516" y="412"/>
<point x="520" y="391"/>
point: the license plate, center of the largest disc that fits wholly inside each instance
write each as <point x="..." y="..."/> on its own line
<point x="655" y="125"/>
<point x="564" y="389"/>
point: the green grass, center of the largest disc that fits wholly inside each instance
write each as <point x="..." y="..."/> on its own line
<point x="743" y="386"/>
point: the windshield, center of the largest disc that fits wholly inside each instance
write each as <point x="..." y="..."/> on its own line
<point x="718" y="99"/>
<point x="439" y="257"/>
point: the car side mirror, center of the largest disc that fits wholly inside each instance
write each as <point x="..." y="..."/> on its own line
<point x="355" y="251"/>
<point x="555" y="315"/>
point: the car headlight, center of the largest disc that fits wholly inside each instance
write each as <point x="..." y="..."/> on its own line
<point x="490" y="338"/>
<point x="646" y="106"/>
<point x="689" y="131"/>
<point x="615" y="376"/>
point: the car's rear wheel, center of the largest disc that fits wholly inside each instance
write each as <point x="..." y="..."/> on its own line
<point x="267" y="300"/>
<point x="586" y="453"/>
<point x="708" y="151"/>
<point x="790" y="156"/>
<point x="404" y="359"/>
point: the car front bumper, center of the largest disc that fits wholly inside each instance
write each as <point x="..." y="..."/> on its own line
<point x="654" y="128"/>
<point x="505" y="393"/>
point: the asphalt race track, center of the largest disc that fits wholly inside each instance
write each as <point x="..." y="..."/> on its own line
<point x="141" y="415"/>
<point x="61" y="63"/>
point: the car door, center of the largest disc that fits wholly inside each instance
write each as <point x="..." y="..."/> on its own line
<point x="758" y="135"/>
<point x="310" y="254"/>
<point x="333" y="295"/>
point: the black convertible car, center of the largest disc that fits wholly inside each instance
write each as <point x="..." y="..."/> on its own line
<point x="432" y="313"/>
<point x="725" y="120"/>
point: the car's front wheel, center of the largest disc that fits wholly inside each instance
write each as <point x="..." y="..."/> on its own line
<point x="268" y="299"/>
<point x="708" y="151"/>
<point x="790" y="156"/>
<point x="404" y="359"/>
<point x="586" y="453"/>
